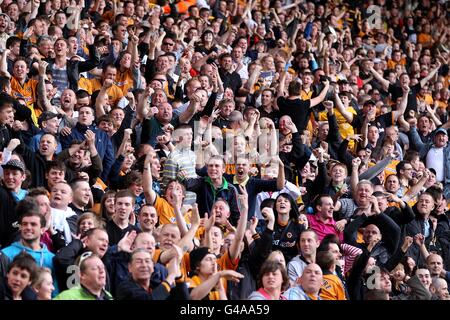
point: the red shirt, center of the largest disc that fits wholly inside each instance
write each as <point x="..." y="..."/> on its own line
<point x="322" y="228"/>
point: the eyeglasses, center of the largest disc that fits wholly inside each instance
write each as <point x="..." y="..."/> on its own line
<point x="84" y="256"/>
<point x="168" y="43"/>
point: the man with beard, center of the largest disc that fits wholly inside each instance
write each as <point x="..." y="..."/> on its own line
<point x="32" y="227"/>
<point x="147" y="218"/>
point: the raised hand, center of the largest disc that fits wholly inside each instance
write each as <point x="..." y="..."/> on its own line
<point x="42" y="67"/>
<point x="107" y="83"/>
<point x="127" y="241"/>
<point x="407" y="243"/>
<point x="13" y="144"/>
<point x="90" y="137"/>
<point x="242" y="199"/>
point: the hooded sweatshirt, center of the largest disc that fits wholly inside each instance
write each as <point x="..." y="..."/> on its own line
<point x="43" y="257"/>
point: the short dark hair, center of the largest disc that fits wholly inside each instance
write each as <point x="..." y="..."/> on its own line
<point x="55" y="165"/>
<point x="325" y="260"/>
<point x="294" y="88"/>
<point x="134" y="177"/>
<point x="125" y="194"/>
<point x="6" y="100"/>
<point x="80" y="94"/>
<point x="32" y="212"/>
<point x="11" y="41"/>
<point x="24" y="261"/>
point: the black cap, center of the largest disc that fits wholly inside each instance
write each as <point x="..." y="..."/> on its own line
<point x="47" y="115"/>
<point x="196" y="256"/>
<point x="369" y="102"/>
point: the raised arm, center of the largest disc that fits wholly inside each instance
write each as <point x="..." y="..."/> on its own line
<point x="42" y="95"/>
<point x="147" y="181"/>
<point x="340" y="106"/>
<point x="403" y="103"/>
<point x="186" y="243"/>
<point x="4" y="65"/>
<point x="235" y="247"/>
<point x="315" y="101"/>
<point x="385" y="83"/>
<point x="424" y="81"/>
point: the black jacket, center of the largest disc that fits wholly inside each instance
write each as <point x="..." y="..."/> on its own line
<point x="130" y="290"/>
<point x="390" y="234"/>
<point x="414" y="227"/>
<point x="36" y="163"/>
<point x="6" y="294"/>
<point x="65" y="259"/>
<point x="443" y="238"/>
<point x="8" y="217"/>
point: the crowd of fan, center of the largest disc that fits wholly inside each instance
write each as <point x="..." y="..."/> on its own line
<point x="212" y="150"/>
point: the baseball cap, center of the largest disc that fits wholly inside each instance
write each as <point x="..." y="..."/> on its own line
<point x="376" y="60"/>
<point x="441" y="130"/>
<point x="14" y="164"/>
<point x="369" y="102"/>
<point x="47" y="115"/>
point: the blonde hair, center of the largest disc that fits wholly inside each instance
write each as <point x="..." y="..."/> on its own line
<point x="39" y="278"/>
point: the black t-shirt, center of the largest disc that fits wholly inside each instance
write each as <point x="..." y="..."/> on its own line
<point x="299" y="111"/>
<point x="116" y="234"/>
<point x="274" y="115"/>
<point x="397" y="92"/>
<point x="382" y="121"/>
<point x="285" y="239"/>
<point x="231" y="80"/>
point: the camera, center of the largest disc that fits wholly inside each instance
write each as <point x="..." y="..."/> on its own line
<point x="324" y="78"/>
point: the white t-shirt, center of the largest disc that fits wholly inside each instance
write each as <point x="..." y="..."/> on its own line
<point x="435" y="160"/>
<point x="59" y="221"/>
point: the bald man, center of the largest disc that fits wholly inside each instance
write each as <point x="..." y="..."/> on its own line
<point x="439" y="289"/>
<point x="309" y="284"/>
